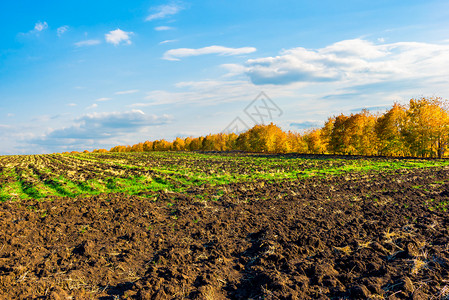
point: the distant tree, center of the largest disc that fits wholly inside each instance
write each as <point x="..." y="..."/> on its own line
<point x="98" y="150"/>
<point x="161" y="145"/>
<point x="118" y="149"/>
<point x="281" y="144"/>
<point x="326" y="134"/>
<point x="426" y="126"/>
<point x="220" y="142"/>
<point x="388" y="129"/>
<point x="314" y="141"/>
<point x="148" y="146"/>
<point x="264" y="138"/>
<point x="137" y="147"/>
<point x="196" y="144"/>
<point x="339" y="139"/>
<point x="242" y="141"/>
<point x="187" y="142"/>
<point x="178" y="144"/>
<point x="231" y="141"/>
<point x="360" y="137"/>
<point x="419" y="128"/>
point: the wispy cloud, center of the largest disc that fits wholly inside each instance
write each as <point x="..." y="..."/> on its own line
<point x="40" y="26"/>
<point x="207" y="92"/>
<point x="72" y="104"/>
<point x="167" y="41"/>
<point x="61" y="30"/>
<point x="103" y="99"/>
<point x="164" y="11"/>
<point x="126" y="92"/>
<point x="87" y="43"/>
<point x="307" y="124"/>
<point x="163" y="28"/>
<point x="118" y="36"/>
<point x="176" y="54"/>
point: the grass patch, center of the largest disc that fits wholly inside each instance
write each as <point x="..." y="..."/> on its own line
<point x="139" y="173"/>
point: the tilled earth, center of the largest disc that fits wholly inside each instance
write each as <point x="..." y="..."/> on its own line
<point x="358" y="236"/>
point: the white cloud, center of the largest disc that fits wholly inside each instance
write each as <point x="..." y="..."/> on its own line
<point x="351" y="61"/>
<point x="126" y="92"/>
<point x="233" y="69"/>
<point x="118" y="36"/>
<point x="176" y="54"/>
<point x="163" y="28"/>
<point x="2" y="126"/>
<point x="95" y="105"/>
<point x="40" y="26"/>
<point x="87" y="43"/>
<point x="61" y="30"/>
<point x="105" y="125"/>
<point x="71" y="104"/>
<point x="103" y="99"/>
<point x="167" y="41"/>
<point x="163" y="11"/>
<point x="10" y="115"/>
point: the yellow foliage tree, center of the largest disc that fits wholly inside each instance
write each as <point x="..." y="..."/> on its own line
<point x="388" y="129"/>
<point x="314" y="142"/>
<point x="420" y="128"/>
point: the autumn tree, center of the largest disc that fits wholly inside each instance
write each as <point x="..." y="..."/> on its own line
<point x="148" y="146"/>
<point x="339" y="140"/>
<point x="314" y="141"/>
<point x="231" y="140"/>
<point x="326" y="133"/>
<point x="426" y="126"/>
<point x="99" y="151"/>
<point x="360" y="137"/>
<point x="208" y="143"/>
<point x="187" y="142"/>
<point x="242" y="142"/>
<point x="118" y="149"/>
<point x="137" y="147"/>
<point x="420" y="128"/>
<point x="196" y="144"/>
<point x="161" y="145"/>
<point x="388" y="129"/>
<point x="264" y="138"/>
<point x="178" y="144"/>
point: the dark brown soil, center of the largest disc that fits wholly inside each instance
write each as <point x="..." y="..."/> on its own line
<point x="350" y="237"/>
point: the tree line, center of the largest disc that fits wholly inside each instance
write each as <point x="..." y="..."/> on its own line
<point x="419" y="128"/>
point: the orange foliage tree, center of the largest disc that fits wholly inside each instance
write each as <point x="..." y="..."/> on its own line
<point x="389" y="129"/>
<point x="419" y="128"/>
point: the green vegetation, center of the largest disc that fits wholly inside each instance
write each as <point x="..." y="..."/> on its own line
<point x="41" y="176"/>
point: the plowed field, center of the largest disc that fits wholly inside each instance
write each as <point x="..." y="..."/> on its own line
<point x="223" y="226"/>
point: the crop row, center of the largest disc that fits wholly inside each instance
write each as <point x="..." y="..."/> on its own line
<point x="39" y="176"/>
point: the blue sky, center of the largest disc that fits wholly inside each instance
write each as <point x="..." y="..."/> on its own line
<point x="78" y="75"/>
